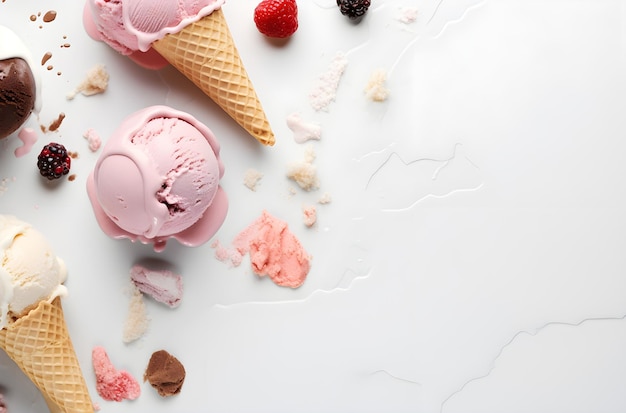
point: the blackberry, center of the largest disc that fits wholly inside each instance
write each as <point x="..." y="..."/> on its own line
<point x="53" y="161"/>
<point x="353" y="8"/>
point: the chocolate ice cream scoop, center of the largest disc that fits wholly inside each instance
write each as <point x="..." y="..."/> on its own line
<point x="19" y="83"/>
<point x="17" y="94"/>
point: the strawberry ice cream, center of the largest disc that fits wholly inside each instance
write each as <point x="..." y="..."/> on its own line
<point x="191" y="35"/>
<point x="112" y="384"/>
<point x="163" y="285"/>
<point x="158" y="178"/>
<point x="274" y="251"/>
<point x="131" y="26"/>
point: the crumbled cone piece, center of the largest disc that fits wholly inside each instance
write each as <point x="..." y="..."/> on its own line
<point x="304" y="172"/>
<point x="252" y="178"/>
<point x="309" y="215"/>
<point x="375" y="89"/>
<point x="97" y="81"/>
<point x="137" y="321"/>
<point x="324" y="199"/>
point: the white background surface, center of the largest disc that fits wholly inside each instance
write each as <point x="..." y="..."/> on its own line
<point x="472" y="258"/>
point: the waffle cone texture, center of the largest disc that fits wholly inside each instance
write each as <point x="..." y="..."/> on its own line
<point x="40" y="345"/>
<point x="204" y="51"/>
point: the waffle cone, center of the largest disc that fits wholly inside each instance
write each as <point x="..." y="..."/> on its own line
<point x="204" y="51"/>
<point x="40" y="345"/>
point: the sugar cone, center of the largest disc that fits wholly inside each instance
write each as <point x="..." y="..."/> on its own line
<point x="205" y="53"/>
<point x="40" y="345"/>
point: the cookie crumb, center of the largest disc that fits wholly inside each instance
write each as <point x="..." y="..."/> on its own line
<point x="375" y="89"/>
<point x="324" y="199"/>
<point x="97" y="81"/>
<point x="304" y="172"/>
<point x="309" y="215"/>
<point x="137" y="321"/>
<point x="252" y="178"/>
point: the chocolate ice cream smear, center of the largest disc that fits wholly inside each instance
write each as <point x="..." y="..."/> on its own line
<point x="165" y="373"/>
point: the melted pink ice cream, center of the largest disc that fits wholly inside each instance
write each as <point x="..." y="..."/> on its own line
<point x="158" y="177"/>
<point x="131" y="26"/>
<point x="163" y="285"/>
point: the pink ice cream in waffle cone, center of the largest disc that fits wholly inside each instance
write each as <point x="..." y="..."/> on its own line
<point x="191" y="35"/>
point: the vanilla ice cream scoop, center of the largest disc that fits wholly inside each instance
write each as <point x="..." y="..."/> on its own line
<point x="30" y="272"/>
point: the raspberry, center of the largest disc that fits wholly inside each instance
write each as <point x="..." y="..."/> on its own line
<point x="276" y="18"/>
<point x="53" y="161"/>
<point x="353" y="8"/>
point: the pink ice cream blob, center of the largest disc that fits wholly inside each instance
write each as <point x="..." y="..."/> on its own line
<point x="158" y="178"/>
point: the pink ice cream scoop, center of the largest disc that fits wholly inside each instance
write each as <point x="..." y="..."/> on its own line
<point x="158" y="178"/>
<point x="131" y="26"/>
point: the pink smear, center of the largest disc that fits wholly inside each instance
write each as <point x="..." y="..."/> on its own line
<point x="28" y="136"/>
<point x="303" y="131"/>
<point x="3" y="407"/>
<point x="309" y="215"/>
<point x="164" y="286"/>
<point x="274" y="251"/>
<point x="112" y="384"/>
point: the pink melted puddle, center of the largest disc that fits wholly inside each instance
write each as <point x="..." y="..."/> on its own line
<point x="28" y="136"/>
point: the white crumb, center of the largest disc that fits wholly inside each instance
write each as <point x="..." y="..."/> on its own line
<point x="4" y="184"/>
<point x="407" y="15"/>
<point x="304" y="172"/>
<point x="137" y="321"/>
<point x="303" y="131"/>
<point x="93" y="139"/>
<point x="309" y="215"/>
<point x="252" y="178"/>
<point x="97" y="81"/>
<point x="375" y="89"/>
<point x="324" y="199"/>
<point x="325" y="89"/>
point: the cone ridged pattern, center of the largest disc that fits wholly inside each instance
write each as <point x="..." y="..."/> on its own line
<point x="40" y="345"/>
<point x="204" y="51"/>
